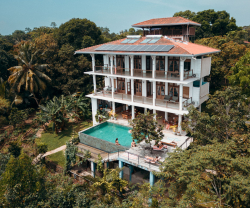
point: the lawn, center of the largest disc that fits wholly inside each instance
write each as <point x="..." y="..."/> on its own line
<point x="58" y="158"/>
<point x="54" y="140"/>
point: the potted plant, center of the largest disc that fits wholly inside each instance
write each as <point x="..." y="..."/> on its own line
<point x="115" y="116"/>
<point x="179" y="133"/>
<point x="100" y="118"/>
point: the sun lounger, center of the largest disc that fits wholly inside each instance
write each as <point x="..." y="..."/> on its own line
<point x="163" y="147"/>
<point x="170" y="144"/>
<point x="149" y="160"/>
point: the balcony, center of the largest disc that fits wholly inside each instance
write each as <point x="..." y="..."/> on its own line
<point x="163" y="75"/>
<point x="143" y="73"/>
<point x="103" y="69"/>
<point x="173" y="75"/>
<point x="121" y="71"/>
<point x="171" y="103"/>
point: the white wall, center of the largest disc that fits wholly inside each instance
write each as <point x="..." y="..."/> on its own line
<point x="105" y="59"/>
<point x="205" y="66"/>
<point x="196" y="95"/>
<point x="196" y="66"/>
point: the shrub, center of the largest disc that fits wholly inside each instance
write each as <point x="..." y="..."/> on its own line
<point x="14" y="149"/>
<point x="41" y="148"/>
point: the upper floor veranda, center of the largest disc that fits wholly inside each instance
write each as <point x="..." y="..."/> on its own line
<point x="175" y="69"/>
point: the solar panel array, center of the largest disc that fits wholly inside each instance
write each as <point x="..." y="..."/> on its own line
<point x="129" y="40"/>
<point x="151" y="48"/>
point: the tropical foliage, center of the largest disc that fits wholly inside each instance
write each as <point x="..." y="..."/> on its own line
<point x="240" y="74"/>
<point x="27" y="74"/>
<point x="146" y="128"/>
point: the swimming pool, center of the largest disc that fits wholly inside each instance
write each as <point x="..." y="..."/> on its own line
<point x="109" y="131"/>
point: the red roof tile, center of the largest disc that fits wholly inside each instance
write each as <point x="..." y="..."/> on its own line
<point x="181" y="48"/>
<point x="166" y="21"/>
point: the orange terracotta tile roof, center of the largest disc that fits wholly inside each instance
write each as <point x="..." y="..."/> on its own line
<point x="180" y="48"/>
<point x="166" y="21"/>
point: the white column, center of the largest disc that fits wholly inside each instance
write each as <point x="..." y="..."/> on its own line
<point x="126" y="107"/>
<point x="111" y="67"/>
<point x="166" y="88"/>
<point x="182" y="59"/>
<point x="113" y="107"/>
<point x="93" y="62"/>
<point x="133" y="111"/>
<point x="154" y="65"/>
<point x="166" y="116"/>
<point x="143" y="63"/>
<point x="154" y="112"/>
<point x="132" y="90"/>
<point x="145" y="110"/>
<point x="113" y="86"/>
<point x="179" y="123"/>
<point x="92" y="168"/>
<point x="115" y="60"/>
<point x="180" y="97"/>
<point x="94" y="82"/>
<point x="94" y="110"/>
<point x="166" y="64"/>
<point x="132" y="65"/>
<point x="154" y="92"/>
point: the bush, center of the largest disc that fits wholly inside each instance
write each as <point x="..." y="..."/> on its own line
<point x="41" y="148"/>
<point x="14" y="149"/>
<point x="3" y="121"/>
<point x="75" y="140"/>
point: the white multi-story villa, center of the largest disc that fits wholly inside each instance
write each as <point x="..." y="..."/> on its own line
<point x="161" y="72"/>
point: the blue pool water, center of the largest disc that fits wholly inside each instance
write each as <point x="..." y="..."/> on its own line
<point x="110" y="131"/>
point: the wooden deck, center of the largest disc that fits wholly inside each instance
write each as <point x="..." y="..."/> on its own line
<point x="82" y="148"/>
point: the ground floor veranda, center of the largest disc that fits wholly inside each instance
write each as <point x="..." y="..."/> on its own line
<point x="124" y="114"/>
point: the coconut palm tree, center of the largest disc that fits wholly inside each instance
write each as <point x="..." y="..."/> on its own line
<point x="27" y="74"/>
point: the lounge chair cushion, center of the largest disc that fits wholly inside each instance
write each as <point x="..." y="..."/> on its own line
<point x="167" y="97"/>
<point x="175" y="98"/>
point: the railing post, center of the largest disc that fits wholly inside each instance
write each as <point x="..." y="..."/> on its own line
<point x="138" y="160"/>
<point x="128" y="155"/>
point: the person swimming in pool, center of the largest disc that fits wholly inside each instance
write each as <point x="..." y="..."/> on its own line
<point x="116" y="142"/>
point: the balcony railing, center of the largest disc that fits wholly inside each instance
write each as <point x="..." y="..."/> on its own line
<point x="103" y="69"/>
<point x="173" y="75"/>
<point x="122" y="96"/>
<point x="142" y="73"/>
<point x="167" y="104"/>
<point x="188" y="102"/>
<point x="143" y="100"/>
<point x="121" y="71"/>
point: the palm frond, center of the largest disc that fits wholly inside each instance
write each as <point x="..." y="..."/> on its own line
<point x="42" y="75"/>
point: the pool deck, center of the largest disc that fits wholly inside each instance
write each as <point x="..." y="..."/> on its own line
<point x="135" y="156"/>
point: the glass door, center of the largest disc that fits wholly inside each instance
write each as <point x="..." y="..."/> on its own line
<point x="138" y="89"/>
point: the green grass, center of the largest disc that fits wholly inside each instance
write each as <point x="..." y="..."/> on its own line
<point x="71" y="131"/>
<point x="58" y="158"/>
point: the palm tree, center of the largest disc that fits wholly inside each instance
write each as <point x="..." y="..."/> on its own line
<point x="27" y="74"/>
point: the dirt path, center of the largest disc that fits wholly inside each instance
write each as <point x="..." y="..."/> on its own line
<point x="55" y="150"/>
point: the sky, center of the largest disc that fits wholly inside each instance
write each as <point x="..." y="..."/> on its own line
<point x="117" y="15"/>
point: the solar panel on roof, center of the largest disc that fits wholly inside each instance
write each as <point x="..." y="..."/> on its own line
<point x="146" y="40"/>
<point x="149" y="48"/>
<point x="154" y="40"/>
<point x="125" y="41"/>
<point x="133" y="40"/>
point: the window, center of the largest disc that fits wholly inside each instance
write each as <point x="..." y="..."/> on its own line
<point x="173" y="65"/>
<point x="187" y="65"/>
<point x="160" y="63"/>
<point x="137" y="62"/>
